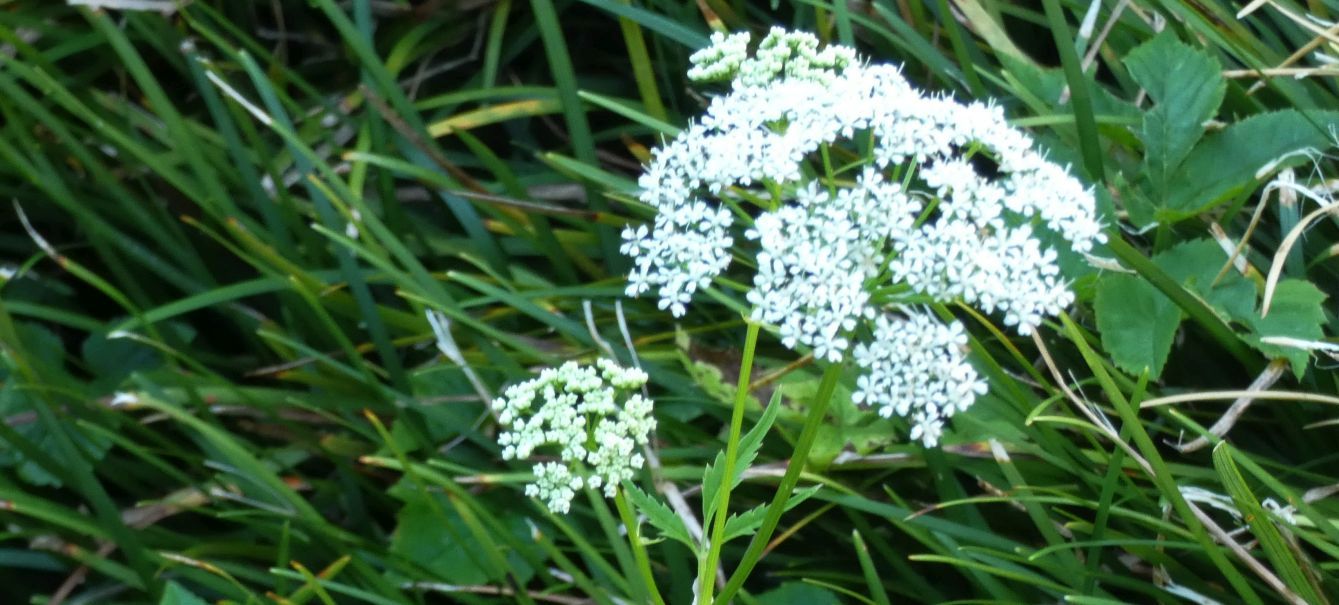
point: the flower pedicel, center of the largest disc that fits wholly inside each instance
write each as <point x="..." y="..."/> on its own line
<point x="916" y="214"/>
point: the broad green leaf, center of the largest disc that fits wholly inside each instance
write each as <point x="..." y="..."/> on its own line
<point x="747" y="522"/>
<point x="1137" y="323"/>
<point x="1225" y="163"/>
<point x="111" y="360"/>
<point x="712" y="380"/>
<point x="16" y="406"/>
<point x="1186" y="88"/>
<point x="659" y="515"/>
<point x="1295" y="312"/>
<point x="434" y="537"/>
<point x="1195" y="264"/>
<point x="872" y="433"/>
<point x="798" y="593"/>
<point x="749" y="445"/>
<point x="174" y="594"/>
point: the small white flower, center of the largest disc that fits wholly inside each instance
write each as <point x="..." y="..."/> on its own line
<point x="586" y="415"/>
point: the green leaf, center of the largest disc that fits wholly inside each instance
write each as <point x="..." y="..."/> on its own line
<point x="1295" y="312"/>
<point x="112" y="360"/>
<point x="798" y="593"/>
<point x="660" y="516"/>
<point x="17" y="406"/>
<point x="671" y="29"/>
<point x="1225" y="163"/>
<point x="433" y="536"/>
<point x="174" y="594"/>
<point x="1186" y="87"/>
<point x="865" y="435"/>
<point x="1195" y="265"/>
<point x="749" y="445"/>
<point x="747" y="522"/>
<point x="1137" y="323"/>
<point x="711" y="380"/>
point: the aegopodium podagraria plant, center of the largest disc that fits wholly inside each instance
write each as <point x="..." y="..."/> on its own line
<point x="866" y="200"/>
<point x="590" y="417"/>
<point x="867" y="207"/>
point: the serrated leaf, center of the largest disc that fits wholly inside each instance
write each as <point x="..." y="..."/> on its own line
<point x="1186" y="86"/>
<point x="1295" y="312"/>
<point x="660" y="516"/>
<point x="1195" y="265"/>
<point x="1137" y="323"/>
<point x="749" y="445"/>
<point x="747" y="522"/>
<point x="1226" y="162"/>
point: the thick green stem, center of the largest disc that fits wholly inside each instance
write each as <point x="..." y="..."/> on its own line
<point x="638" y="549"/>
<point x="817" y="411"/>
<point x="706" y="573"/>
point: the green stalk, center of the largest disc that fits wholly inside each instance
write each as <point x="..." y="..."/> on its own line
<point x="626" y="564"/>
<point x="642" y="71"/>
<point x="638" y="549"/>
<point x="1080" y="99"/>
<point x="705" y="575"/>
<point x="817" y="411"/>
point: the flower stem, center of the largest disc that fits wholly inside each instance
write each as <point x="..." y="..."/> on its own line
<point x="707" y="573"/>
<point x="638" y="549"/>
<point x="625" y="559"/>
<point x="817" y="411"/>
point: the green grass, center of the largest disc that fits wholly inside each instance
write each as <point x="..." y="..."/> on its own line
<point x="219" y="381"/>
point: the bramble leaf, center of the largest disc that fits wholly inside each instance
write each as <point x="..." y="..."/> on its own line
<point x="1295" y="312"/>
<point x="1137" y="323"/>
<point x="1225" y="163"/>
<point x="1186" y="86"/>
<point x="1195" y="265"/>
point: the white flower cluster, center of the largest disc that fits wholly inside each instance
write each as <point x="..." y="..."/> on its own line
<point x="817" y="254"/>
<point x="917" y="368"/>
<point x="793" y="55"/>
<point x="947" y="200"/>
<point x="582" y="413"/>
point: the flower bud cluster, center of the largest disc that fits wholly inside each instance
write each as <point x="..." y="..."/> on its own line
<point x="589" y="416"/>
<point x="792" y="55"/>
<point x="946" y="205"/>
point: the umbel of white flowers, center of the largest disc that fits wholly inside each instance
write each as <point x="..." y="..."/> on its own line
<point x="911" y="212"/>
<point x="588" y="416"/>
